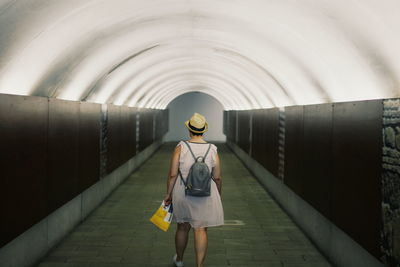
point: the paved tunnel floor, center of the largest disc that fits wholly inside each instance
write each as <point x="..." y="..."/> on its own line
<point x="118" y="233"/>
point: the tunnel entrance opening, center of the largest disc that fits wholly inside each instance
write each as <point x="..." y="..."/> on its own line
<point x="182" y="108"/>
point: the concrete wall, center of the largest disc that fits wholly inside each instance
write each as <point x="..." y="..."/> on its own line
<point x="32" y="245"/>
<point x="336" y="245"/>
<point x="183" y="107"/>
<point x="318" y="153"/>
<point x="52" y="150"/>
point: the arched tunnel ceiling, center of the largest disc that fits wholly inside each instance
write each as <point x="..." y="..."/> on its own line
<point x="245" y="53"/>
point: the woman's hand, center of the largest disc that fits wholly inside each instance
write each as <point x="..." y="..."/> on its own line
<point x="168" y="199"/>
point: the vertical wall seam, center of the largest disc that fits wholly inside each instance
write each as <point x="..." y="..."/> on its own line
<point x="237" y="128"/>
<point x="332" y="165"/>
<point x="250" y="137"/>
<point x="137" y="131"/>
<point x="79" y="158"/>
<point x="281" y="144"/>
<point x="47" y="168"/>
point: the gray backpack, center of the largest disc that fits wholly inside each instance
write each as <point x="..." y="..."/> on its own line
<point x="198" y="181"/>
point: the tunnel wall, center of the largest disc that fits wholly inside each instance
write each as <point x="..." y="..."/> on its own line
<point x="330" y="156"/>
<point x="53" y="150"/>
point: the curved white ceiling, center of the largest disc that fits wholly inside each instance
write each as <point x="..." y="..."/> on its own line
<point x="245" y="53"/>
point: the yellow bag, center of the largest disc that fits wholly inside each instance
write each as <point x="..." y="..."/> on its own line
<point x="162" y="217"/>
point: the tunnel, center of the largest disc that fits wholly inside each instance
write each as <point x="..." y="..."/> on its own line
<point x="303" y="101"/>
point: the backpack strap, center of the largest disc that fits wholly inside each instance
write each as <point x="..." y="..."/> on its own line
<point x="191" y="151"/>
<point x="208" y="150"/>
<point x="179" y="171"/>
<point x="180" y="174"/>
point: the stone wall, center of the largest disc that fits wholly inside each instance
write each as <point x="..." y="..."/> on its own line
<point x="391" y="183"/>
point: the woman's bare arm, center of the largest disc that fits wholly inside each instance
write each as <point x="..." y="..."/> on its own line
<point x="172" y="174"/>
<point x="217" y="173"/>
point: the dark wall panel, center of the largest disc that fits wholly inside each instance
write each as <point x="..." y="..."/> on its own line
<point x="265" y="138"/>
<point x="166" y="125"/>
<point x="63" y="133"/>
<point x="89" y="144"/>
<point x="150" y="135"/>
<point x="145" y="128"/>
<point x="163" y="123"/>
<point x="257" y="136"/>
<point x="294" y="148"/>
<point x="271" y="129"/>
<point x="114" y="154"/>
<point x="159" y="124"/>
<point x="157" y="120"/>
<point x="317" y="157"/>
<point x="124" y="135"/>
<point x="357" y="144"/>
<point x="244" y="130"/>
<point x="23" y="133"/>
<point x="225" y="122"/>
<point x="232" y="126"/>
<point x="131" y="130"/>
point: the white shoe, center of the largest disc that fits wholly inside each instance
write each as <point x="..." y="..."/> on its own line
<point x="177" y="263"/>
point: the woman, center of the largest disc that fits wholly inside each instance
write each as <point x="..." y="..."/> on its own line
<point x="191" y="211"/>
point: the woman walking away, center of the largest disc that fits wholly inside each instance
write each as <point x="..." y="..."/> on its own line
<point x="196" y="204"/>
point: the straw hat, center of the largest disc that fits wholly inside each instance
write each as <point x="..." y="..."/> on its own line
<point x="197" y="123"/>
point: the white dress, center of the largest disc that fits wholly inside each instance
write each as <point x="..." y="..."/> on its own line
<point x="198" y="211"/>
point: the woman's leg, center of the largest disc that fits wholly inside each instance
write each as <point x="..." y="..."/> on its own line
<point x="200" y="245"/>
<point x="181" y="239"/>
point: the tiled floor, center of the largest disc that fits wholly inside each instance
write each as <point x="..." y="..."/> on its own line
<point x="118" y="233"/>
